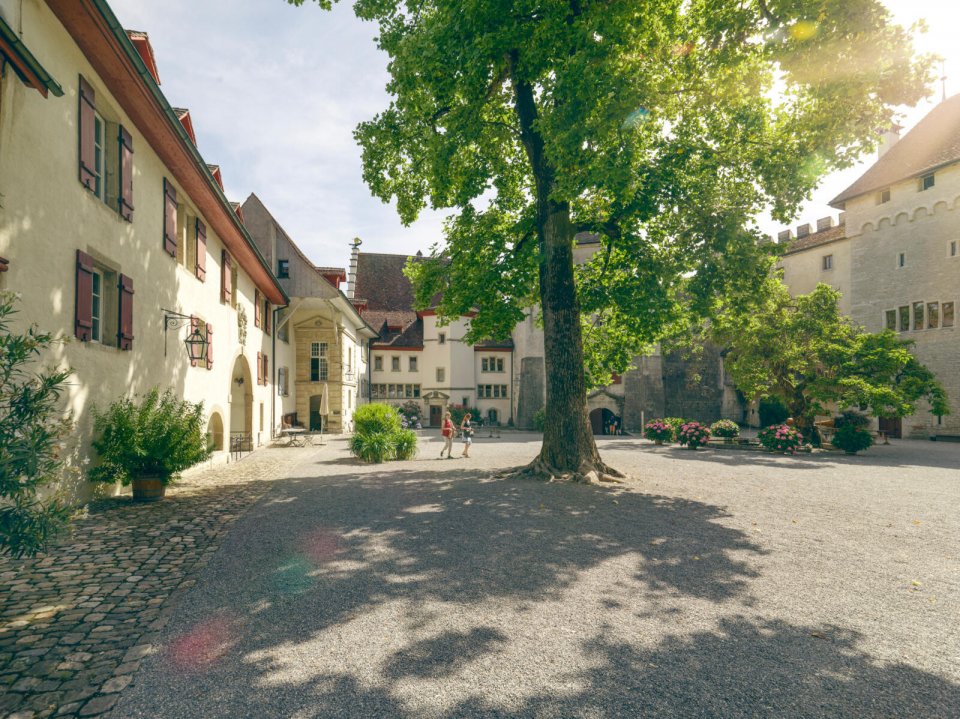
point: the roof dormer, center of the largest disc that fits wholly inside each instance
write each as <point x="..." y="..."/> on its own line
<point x="141" y="42"/>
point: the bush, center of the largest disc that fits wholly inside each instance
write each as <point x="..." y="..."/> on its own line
<point x="726" y="428"/>
<point x="675" y="423"/>
<point x="457" y="411"/>
<point x="781" y="438"/>
<point x="540" y="419"/>
<point x="161" y="435"/>
<point x="378" y="435"/>
<point x="851" y="418"/>
<point x="31" y="428"/>
<point x="657" y="430"/>
<point x="772" y="411"/>
<point x="693" y="435"/>
<point x="852" y="439"/>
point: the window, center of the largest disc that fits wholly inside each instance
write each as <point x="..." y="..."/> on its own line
<point x="891" y="320"/>
<point x="933" y="315"/>
<point x="392" y="391"/>
<point x="349" y="359"/>
<point x="441" y="374"/>
<point x="492" y="391"/>
<point x="947" y="317"/>
<point x="926" y="182"/>
<point x="442" y="338"/>
<point x="96" y="312"/>
<point x="952" y="248"/>
<point x="491" y="364"/>
<point x="394" y="364"/>
<point x="99" y="130"/>
<point x="283" y="268"/>
<point x="190" y="242"/>
<point x="883" y="196"/>
<point x="901" y="259"/>
<point x="918" y="315"/>
<point x="828" y="262"/>
<point x="283" y="387"/>
<point x="496" y="391"/>
<point x="377" y="363"/>
<point x="318" y="362"/>
<point x="413" y="364"/>
<point x="349" y="399"/>
<point x="904" y="313"/>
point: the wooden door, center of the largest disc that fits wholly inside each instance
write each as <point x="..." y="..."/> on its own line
<point x="892" y="427"/>
<point x="436" y="415"/>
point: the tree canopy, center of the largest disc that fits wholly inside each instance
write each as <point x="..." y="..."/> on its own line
<point x="663" y="127"/>
<point x="803" y="351"/>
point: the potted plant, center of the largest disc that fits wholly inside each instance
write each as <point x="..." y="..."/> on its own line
<point x="148" y="442"/>
<point x="658" y="431"/>
<point x="781" y="438"/>
<point x="725" y="428"/>
<point x="852" y="438"/>
<point x="693" y="435"/>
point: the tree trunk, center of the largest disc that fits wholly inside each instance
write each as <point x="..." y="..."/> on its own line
<point x="568" y="447"/>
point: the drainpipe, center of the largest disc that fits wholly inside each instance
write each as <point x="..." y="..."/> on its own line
<point x="512" y="386"/>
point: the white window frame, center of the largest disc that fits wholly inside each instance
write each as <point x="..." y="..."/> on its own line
<point x="96" y="306"/>
<point x="441" y="374"/>
<point x="395" y="363"/>
<point x="923" y="181"/>
<point x="827" y="263"/>
<point x="318" y="351"/>
<point x="378" y="363"/>
<point x="412" y="363"/>
<point x="100" y="155"/>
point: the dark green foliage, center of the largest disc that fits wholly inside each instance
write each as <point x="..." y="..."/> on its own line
<point x="30" y="432"/>
<point x="457" y="412"/>
<point x="851" y="418"/>
<point x="159" y="435"/>
<point x="540" y="419"/>
<point x="725" y="428"/>
<point x="852" y="439"/>
<point x="378" y="436"/>
<point x="675" y="423"/>
<point x="772" y="411"/>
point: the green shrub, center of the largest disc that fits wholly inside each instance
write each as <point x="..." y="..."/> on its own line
<point x="726" y="428"/>
<point x="31" y="427"/>
<point x="852" y="439"/>
<point x="376" y="418"/>
<point x="161" y="435"/>
<point x="851" y="418"/>
<point x="656" y="430"/>
<point x="675" y="424"/>
<point x="405" y="444"/>
<point x="693" y="435"/>
<point x="772" y="410"/>
<point x="540" y="419"/>
<point x="457" y="412"/>
<point x="378" y="436"/>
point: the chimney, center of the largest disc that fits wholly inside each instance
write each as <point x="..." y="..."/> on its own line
<point x="842" y="220"/>
<point x="785" y="236"/>
<point x="803" y="230"/>
<point x="888" y="139"/>
<point x="354" y="261"/>
<point x="824" y="223"/>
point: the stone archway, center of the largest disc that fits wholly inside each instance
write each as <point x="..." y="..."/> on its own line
<point x="600" y="420"/>
<point x="241" y="404"/>
<point x="215" y="432"/>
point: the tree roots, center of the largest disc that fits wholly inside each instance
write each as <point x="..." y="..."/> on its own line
<point x="587" y="473"/>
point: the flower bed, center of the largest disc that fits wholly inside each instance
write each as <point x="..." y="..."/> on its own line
<point x="658" y="431"/>
<point x="781" y="438"/>
<point x="693" y="435"/>
<point x="726" y="429"/>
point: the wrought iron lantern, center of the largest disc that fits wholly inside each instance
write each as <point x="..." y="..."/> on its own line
<point x="196" y="346"/>
<point x="196" y="341"/>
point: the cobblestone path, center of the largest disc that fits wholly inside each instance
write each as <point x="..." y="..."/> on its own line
<point x="76" y="622"/>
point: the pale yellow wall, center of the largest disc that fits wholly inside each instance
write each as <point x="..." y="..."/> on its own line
<point x="46" y="215"/>
<point x="802" y="271"/>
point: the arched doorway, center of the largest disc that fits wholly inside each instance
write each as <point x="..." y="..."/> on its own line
<point x="215" y="432"/>
<point x="241" y="406"/>
<point x="600" y="420"/>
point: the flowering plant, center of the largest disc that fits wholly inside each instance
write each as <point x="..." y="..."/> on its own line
<point x="725" y="428"/>
<point x="675" y="423"/>
<point x="657" y="430"/>
<point x="693" y="435"/>
<point x="781" y="438"/>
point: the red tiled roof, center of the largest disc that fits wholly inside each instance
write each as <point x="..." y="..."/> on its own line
<point x="816" y="239"/>
<point x="933" y="143"/>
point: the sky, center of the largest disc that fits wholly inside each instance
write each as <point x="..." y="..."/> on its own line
<point x="276" y="91"/>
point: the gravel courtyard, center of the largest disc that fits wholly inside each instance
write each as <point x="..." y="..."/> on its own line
<point x="714" y="584"/>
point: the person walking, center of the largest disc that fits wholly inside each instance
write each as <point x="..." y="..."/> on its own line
<point x="467" y="431"/>
<point x="447" y="432"/>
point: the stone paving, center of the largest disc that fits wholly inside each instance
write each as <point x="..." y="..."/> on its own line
<point x="76" y="622"/>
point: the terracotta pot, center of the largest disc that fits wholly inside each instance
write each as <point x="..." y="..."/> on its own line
<point x="149" y="489"/>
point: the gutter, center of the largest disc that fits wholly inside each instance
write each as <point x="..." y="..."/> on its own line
<point x="32" y="72"/>
<point x="121" y="35"/>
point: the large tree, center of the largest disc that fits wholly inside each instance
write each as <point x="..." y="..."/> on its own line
<point x="662" y="126"/>
<point x="804" y="352"/>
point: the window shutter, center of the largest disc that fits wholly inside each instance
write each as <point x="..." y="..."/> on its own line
<point x="169" y="219"/>
<point x="226" y="289"/>
<point x="84" y="303"/>
<point x="259" y="368"/>
<point x="256" y="308"/>
<point x="266" y="370"/>
<point x="194" y="327"/>
<point x="125" y="332"/>
<point x="209" y="346"/>
<point x="266" y="317"/>
<point x="88" y="105"/>
<point x="201" y="269"/>
<point x="125" y="201"/>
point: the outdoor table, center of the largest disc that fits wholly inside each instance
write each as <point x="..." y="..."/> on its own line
<point x="295" y="436"/>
